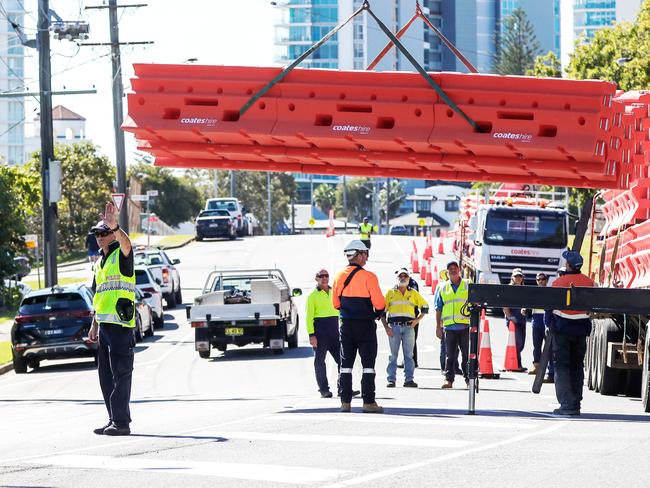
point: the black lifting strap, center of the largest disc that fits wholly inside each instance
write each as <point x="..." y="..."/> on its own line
<point x="366" y="6"/>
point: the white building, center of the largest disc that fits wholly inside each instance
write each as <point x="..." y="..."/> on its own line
<point x="68" y="128"/>
<point x="12" y="74"/>
<point x="438" y="205"/>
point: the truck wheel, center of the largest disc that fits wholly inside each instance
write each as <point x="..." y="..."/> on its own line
<point x="205" y="354"/>
<point x="171" y="300"/>
<point x="20" y="365"/>
<point x="292" y="340"/>
<point x="645" y="378"/>
<point x="610" y="378"/>
<point x="632" y="383"/>
<point x="595" y="363"/>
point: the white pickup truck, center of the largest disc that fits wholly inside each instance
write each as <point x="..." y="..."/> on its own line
<point x="245" y="306"/>
<point x="164" y="271"/>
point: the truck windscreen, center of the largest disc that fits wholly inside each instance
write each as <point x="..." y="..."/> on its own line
<point x="529" y="228"/>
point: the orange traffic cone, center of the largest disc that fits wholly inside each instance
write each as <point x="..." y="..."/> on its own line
<point x="485" y="367"/>
<point x="441" y="247"/>
<point x="416" y="265"/>
<point x="423" y="269"/>
<point x="434" y="280"/>
<point x="511" y="363"/>
<point x="429" y="279"/>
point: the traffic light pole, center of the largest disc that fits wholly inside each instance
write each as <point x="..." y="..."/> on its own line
<point x="47" y="144"/>
<point x="118" y="114"/>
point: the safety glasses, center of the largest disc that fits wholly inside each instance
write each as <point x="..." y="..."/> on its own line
<point x="102" y="234"/>
<point x="322" y="276"/>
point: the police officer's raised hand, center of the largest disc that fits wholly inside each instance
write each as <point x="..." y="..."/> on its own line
<point x="110" y="215"/>
<point x="313" y="341"/>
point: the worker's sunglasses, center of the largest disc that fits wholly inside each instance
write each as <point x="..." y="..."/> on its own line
<point x="102" y="234"/>
<point x="322" y="276"/>
<point x="542" y="279"/>
<point x="403" y="277"/>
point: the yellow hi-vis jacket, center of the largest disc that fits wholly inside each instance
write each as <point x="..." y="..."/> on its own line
<point x="365" y="230"/>
<point x="111" y="285"/>
<point x="400" y="305"/>
<point x="453" y="303"/>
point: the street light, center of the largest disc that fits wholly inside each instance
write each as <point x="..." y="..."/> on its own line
<point x="623" y="60"/>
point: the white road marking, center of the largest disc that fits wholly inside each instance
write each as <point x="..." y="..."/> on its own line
<point x="445" y="457"/>
<point x="398" y="419"/>
<point x="243" y="471"/>
<point x="340" y="439"/>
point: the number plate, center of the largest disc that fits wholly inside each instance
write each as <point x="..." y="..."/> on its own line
<point x="52" y="331"/>
<point x="214" y="225"/>
<point x="234" y="331"/>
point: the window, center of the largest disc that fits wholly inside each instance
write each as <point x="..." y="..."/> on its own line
<point x="423" y="206"/>
<point x="525" y="228"/>
<point x="452" y="205"/>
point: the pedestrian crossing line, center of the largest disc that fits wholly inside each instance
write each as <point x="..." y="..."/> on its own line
<point x="404" y="420"/>
<point x="340" y="439"/>
<point x="243" y="471"/>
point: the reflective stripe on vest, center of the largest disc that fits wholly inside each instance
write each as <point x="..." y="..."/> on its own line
<point x="111" y="285"/>
<point x="453" y="303"/>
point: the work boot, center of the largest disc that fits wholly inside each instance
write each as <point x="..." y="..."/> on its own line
<point x="372" y="408"/>
<point x="565" y="412"/>
<point x="549" y="379"/>
<point x="391" y="384"/>
<point x="115" y="430"/>
<point x="410" y="384"/>
<point x="345" y="407"/>
<point x="534" y="370"/>
<point x="326" y="394"/>
<point x="100" y="430"/>
<point x="447" y="385"/>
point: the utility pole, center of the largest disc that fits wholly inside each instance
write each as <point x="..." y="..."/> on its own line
<point x="311" y="196"/>
<point x="268" y="196"/>
<point x="345" y="203"/>
<point x="387" y="205"/>
<point x="375" y="203"/>
<point x="47" y="143"/>
<point x="232" y="184"/>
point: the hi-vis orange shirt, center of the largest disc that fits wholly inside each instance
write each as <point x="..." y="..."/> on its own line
<point x="567" y="281"/>
<point x="362" y="299"/>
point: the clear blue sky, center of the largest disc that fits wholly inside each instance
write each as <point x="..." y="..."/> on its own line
<point x="232" y="32"/>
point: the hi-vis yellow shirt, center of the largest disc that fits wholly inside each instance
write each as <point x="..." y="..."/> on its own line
<point x="400" y="305"/>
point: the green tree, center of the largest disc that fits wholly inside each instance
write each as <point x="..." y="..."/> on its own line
<point x="178" y="200"/>
<point x="86" y="184"/>
<point x="359" y="198"/>
<point x="546" y="66"/>
<point x="12" y="223"/>
<point x="629" y="42"/>
<point x="517" y="46"/>
<point x="325" y="197"/>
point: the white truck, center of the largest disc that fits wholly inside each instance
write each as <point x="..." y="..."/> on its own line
<point x="236" y="210"/>
<point x="164" y="271"/>
<point x="245" y="306"/>
<point x="511" y="230"/>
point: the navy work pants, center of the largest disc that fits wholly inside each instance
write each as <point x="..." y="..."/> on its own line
<point x="115" y="367"/>
<point x="569" y="355"/>
<point x="326" y="330"/>
<point x="358" y="336"/>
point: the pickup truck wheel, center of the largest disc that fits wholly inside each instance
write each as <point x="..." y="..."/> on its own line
<point x="171" y="300"/>
<point x="609" y="377"/>
<point x="292" y="340"/>
<point x="205" y="354"/>
<point x="20" y="365"/>
<point x="645" y="377"/>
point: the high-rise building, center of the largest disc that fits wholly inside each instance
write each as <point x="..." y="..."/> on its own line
<point x="582" y="18"/>
<point x="12" y="109"/>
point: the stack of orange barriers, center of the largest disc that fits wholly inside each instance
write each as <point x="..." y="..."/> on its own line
<point x="534" y="130"/>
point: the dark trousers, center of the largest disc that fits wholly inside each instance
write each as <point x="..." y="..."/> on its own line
<point x="366" y="242"/>
<point x="443" y="356"/>
<point x="327" y="335"/>
<point x="539" y="336"/>
<point x="361" y="336"/>
<point x="415" y="346"/>
<point x="115" y="367"/>
<point x="456" y="339"/>
<point x="569" y="355"/>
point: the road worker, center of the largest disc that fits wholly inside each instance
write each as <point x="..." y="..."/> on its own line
<point x="357" y="296"/>
<point x="442" y="277"/>
<point x="365" y="229"/>
<point x="452" y="322"/>
<point x="399" y="322"/>
<point x="114" y="320"/>
<point x="570" y="329"/>
<point x="539" y="334"/>
<point x="517" y="317"/>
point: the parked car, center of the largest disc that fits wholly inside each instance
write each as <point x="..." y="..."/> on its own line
<point x="215" y="223"/>
<point x="53" y="323"/>
<point x="162" y="268"/>
<point x="146" y="283"/>
<point x="23" y="289"/>
<point x="234" y="208"/>
<point x="23" y="267"/>
<point x="144" y="318"/>
<point x="399" y="230"/>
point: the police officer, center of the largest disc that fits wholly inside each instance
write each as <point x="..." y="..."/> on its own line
<point x="452" y="322"/>
<point x="323" y="329"/>
<point x="402" y="302"/>
<point x="114" y="320"/>
<point x="570" y="329"/>
<point x="365" y="229"/>
<point x="356" y="294"/>
<point x="539" y="334"/>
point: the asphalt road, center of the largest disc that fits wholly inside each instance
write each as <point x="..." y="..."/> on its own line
<point x="249" y="418"/>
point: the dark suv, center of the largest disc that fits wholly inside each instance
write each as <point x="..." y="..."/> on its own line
<point x="53" y="323"/>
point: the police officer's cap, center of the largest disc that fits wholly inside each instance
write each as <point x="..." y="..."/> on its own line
<point x="100" y="226"/>
<point x="573" y="258"/>
<point x="452" y="263"/>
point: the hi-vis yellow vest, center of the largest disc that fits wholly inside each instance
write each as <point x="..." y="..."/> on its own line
<point x="110" y="286"/>
<point x="453" y="304"/>
<point x="365" y="231"/>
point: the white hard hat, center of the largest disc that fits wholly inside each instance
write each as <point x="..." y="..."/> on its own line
<point x="354" y="247"/>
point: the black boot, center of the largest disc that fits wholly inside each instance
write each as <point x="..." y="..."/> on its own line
<point x="100" y="430"/>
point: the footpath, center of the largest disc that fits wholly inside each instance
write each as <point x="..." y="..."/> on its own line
<point x="77" y="271"/>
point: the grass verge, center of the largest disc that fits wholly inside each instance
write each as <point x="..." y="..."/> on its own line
<point x="5" y="352"/>
<point x="175" y="240"/>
